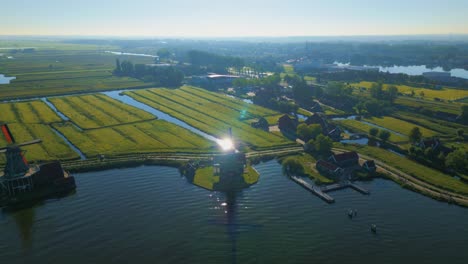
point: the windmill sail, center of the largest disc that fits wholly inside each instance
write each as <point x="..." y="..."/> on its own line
<point x="7" y="133"/>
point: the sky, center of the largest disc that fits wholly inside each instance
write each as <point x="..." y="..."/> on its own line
<point x="233" y="18"/>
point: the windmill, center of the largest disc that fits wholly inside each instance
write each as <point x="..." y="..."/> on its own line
<point x="16" y="164"/>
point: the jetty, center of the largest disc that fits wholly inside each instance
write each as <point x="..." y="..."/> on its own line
<point x="321" y="192"/>
<point x="315" y="190"/>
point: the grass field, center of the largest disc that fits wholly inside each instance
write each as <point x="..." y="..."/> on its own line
<point x="63" y="69"/>
<point x="445" y="93"/>
<point x="400" y="126"/>
<point x="358" y="126"/>
<point x="413" y="168"/>
<point x="27" y="112"/>
<point x="144" y="137"/>
<point x="445" y="128"/>
<point x="97" y="110"/>
<point x="51" y="148"/>
<point x="213" y="116"/>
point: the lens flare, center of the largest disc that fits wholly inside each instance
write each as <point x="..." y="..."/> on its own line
<point x="226" y="144"/>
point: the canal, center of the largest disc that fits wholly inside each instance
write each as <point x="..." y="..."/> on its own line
<point x="151" y="214"/>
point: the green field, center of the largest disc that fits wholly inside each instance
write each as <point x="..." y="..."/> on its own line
<point x="62" y="68"/>
<point x="214" y="116"/>
<point x="358" y="126"/>
<point x="97" y="110"/>
<point x="399" y="126"/>
<point x="413" y="168"/>
<point x="445" y="93"/>
<point x="145" y="137"/>
<point x="51" y="148"/>
<point x="27" y="112"/>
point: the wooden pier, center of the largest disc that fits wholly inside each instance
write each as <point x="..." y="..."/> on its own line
<point x="321" y="192"/>
<point x="327" y="198"/>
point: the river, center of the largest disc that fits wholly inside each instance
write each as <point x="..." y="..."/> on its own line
<point x="151" y="214"/>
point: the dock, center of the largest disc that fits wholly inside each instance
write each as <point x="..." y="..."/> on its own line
<point x="327" y="198"/>
<point x="321" y="192"/>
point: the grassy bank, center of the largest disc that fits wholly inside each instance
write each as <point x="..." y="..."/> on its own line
<point x="410" y="167"/>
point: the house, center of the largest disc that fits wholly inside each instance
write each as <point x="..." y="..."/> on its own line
<point x="327" y="168"/>
<point x="369" y="165"/>
<point x="335" y="134"/>
<point x="346" y="159"/>
<point x="261" y="123"/>
<point x="287" y="124"/>
<point x="435" y="144"/>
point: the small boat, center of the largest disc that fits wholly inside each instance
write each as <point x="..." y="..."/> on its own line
<point x="350" y="213"/>
<point x="374" y="228"/>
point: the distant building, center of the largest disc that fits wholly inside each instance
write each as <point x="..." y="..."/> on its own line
<point x="346" y="159"/>
<point x="335" y="133"/>
<point x="435" y="145"/>
<point x="287" y="124"/>
<point x="438" y="76"/>
<point x="327" y="168"/>
<point x="261" y="123"/>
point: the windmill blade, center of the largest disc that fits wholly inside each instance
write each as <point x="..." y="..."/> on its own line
<point x="35" y="141"/>
<point x="7" y="133"/>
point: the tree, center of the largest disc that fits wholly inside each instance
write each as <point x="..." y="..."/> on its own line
<point x="464" y="114"/>
<point x="392" y="93"/>
<point x="460" y="132"/>
<point x="373" y="131"/>
<point x="415" y="135"/>
<point x="376" y="90"/>
<point x="457" y="160"/>
<point x="308" y="132"/>
<point x="163" y="53"/>
<point x="292" y="166"/>
<point x="384" y="135"/>
<point x="118" y="69"/>
<point x="421" y="93"/>
<point x="323" y="144"/>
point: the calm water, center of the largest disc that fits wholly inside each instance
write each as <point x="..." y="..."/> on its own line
<point x="420" y="69"/>
<point x="152" y="215"/>
<point x="5" y="80"/>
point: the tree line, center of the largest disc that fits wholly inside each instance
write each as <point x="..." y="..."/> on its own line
<point x="168" y="76"/>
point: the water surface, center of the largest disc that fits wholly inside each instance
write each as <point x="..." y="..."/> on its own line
<point x="152" y="215"/>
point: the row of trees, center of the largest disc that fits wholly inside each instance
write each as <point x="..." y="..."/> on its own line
<point x="167" y="76"/>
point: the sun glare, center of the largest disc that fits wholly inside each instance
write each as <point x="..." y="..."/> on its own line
<point x="226" y="144"/>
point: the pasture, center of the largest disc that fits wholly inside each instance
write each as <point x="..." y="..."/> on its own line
<point x="52" y="147"/>
<point x="211" y="115"/>
<point x="33" y="112"/>
<point x="358" y="126"/>
<point x="145" y="137"/>
<point x="48" y="71"/>
<point x="400" y="126"/>
<point x="413" y="168"/>
<point x="98" y="110"/>
<point x="444" y="93"/>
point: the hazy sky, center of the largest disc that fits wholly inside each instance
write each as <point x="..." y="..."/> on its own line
<point x="233" y="17"/>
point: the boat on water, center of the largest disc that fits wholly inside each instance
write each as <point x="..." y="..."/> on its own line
<point x="23" y="183"/>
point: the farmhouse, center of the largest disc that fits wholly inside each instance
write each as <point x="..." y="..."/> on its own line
<point x="435" y="144"/>
<point x="261" y="123"/>
<point x="287" y="124"/>
<point x="327" y="168"/>
<point x="346" y="159"/>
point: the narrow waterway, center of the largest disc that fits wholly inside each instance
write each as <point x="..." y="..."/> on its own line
<point x="161" y="115"/>
<point x="73" y="147"/>
<point x="153" y="214"/>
